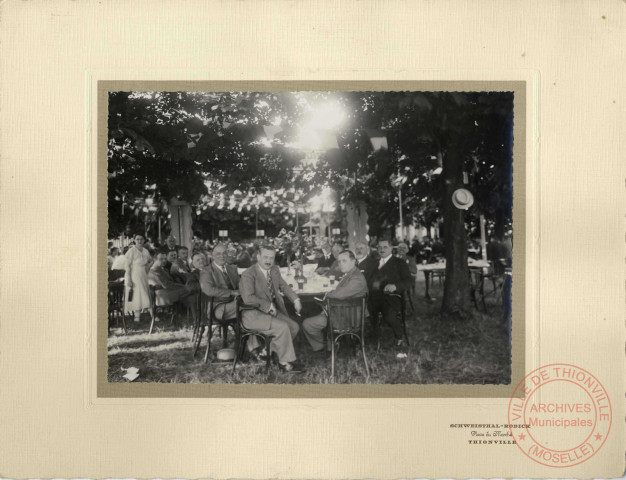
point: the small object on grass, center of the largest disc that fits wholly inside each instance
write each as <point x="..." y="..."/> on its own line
<point x="401" y="355"/>
<point x="226" y="354"/>
<point x="131" y="373"/>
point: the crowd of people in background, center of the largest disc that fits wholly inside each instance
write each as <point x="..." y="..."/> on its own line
<point x="176" y="275"/>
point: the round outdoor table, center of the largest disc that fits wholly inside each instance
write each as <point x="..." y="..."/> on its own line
<point x="315" y="286"/>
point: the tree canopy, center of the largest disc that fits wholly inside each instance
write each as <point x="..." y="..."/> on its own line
<point x="232" y="154"/>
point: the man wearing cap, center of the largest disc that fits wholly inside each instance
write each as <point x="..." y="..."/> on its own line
<point x="261" y="286"/>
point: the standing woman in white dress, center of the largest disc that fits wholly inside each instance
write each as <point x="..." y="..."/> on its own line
<point x="138" y="263"/>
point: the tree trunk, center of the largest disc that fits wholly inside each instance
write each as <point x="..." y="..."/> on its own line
<point x="456" y="295"/>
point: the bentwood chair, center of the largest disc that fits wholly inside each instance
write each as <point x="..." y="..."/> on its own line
<point x="208" y="320"/>
<point x="160" y="309"/>
<point x="346" y="318"/>
<point x="116" y="304"/>
<point x="242" y="334"/>
<point x="494" y="274"/>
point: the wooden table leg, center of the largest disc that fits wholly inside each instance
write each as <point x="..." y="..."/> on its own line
<point x="427" y="279"/>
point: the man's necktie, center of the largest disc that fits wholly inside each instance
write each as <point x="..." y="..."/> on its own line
<point x="229" y="284"/>
<point x="270" y="285"/>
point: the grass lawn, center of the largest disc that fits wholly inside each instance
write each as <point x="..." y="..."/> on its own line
<point x="441" y="352"/>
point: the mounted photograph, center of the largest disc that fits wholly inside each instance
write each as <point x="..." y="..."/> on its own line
<point x="310" y="237"/>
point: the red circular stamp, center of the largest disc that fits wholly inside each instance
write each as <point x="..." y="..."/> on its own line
<point x="560" y="415"/>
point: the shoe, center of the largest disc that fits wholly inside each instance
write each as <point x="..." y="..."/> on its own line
<point x="401" y="349"/>
<point x="291" y="367"/>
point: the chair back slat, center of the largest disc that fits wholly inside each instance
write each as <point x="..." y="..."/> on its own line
<point x="346" y="315"/>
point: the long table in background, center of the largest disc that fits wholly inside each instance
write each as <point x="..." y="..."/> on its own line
<point x="440" y="267"/>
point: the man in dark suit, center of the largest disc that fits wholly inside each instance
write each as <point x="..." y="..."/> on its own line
<point x="170" y="244"/>
<point x="221" y="281"/>
<point x="198" y="263"/>
<point x="261" y="286"/>
<point x="327" y="264"/>
<point x="352" y="285"/>
<point x="391" y="276"/>
<point x="326" y="259"/>
<point x="172" y="256"/>
<point x="366" y="262"/>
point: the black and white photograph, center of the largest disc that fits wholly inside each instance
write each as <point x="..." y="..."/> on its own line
<point x="310" y="237"/>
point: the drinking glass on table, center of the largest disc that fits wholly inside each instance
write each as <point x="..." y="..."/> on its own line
<point x="332" y="279"/>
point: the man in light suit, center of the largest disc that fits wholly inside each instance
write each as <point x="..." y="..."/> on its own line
<point x="352" y="285"/>
<point x="263" y="287"/>
<point x="168" y="291"/>
<point x="221" y="281"/>
<point x="180" y="268"/>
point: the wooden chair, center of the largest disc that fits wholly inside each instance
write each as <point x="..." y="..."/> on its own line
<point x="207" y="321"/>
<point x="116" y="304"/>
<point x="160" y="309"/>
<point x="242" y="334"/>
<point x="494" y="274"/>
<point x="346" y="318"/>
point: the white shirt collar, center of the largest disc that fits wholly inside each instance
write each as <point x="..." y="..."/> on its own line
<point x="384" y="260"/>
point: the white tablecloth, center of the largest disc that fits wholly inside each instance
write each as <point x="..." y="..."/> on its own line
<point x="442" y="265"/>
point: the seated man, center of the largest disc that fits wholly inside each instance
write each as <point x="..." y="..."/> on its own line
<point x="334" y="269"/>
<point x="261" y="287"/>
<point x="403" y="254"/>
<point x="231" y="254"/>
<point x="168" y="291"/>
<point x="170" y="243"/>
<point x="366" y="262"/>
<point x="113" y="253"/>
<point x="221" y="282"/>
<point x="243" y="259"/>
<point x="326" y="260"/>
<point x="119" y="263"/>
<point x="391" y="276"/>
<point x="198" y="263"/>
<point x="352" y="285"/>
<point x="180" y="268"/>
<point x="324" y="268"/>
<point x="172" y="256"/>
